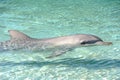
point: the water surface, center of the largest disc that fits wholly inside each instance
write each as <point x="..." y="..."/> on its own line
<point x="51" y="18"/>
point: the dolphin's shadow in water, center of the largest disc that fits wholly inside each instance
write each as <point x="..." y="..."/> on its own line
<point x="70" y="62"/>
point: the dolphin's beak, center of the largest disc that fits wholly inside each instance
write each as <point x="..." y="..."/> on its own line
<point x="107" y="43"/>
<point x="104" y="43"/>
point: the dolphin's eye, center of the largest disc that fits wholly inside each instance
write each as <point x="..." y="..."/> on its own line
<point x="88" y="42"/>
<point x="83" y="43"/>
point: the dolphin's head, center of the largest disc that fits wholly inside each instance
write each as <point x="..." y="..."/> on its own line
<point x="86" y="40"/>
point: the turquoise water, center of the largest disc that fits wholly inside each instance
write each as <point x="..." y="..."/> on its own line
<point x="51" y="18"/>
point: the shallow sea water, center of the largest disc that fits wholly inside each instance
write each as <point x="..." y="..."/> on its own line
<point x="51" y="18"/>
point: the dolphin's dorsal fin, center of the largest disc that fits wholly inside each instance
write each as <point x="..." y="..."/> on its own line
<point x="15" y="34"/>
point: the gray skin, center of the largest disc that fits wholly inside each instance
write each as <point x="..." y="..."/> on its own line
<point x="60" y="45"/>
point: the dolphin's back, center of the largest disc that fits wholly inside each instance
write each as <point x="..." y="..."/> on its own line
<point x="72" y="39"/>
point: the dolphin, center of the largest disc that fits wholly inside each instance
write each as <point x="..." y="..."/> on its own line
<point x="59" y="45"/>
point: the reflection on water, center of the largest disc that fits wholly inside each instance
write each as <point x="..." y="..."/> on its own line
<point x="69" y="62"/>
